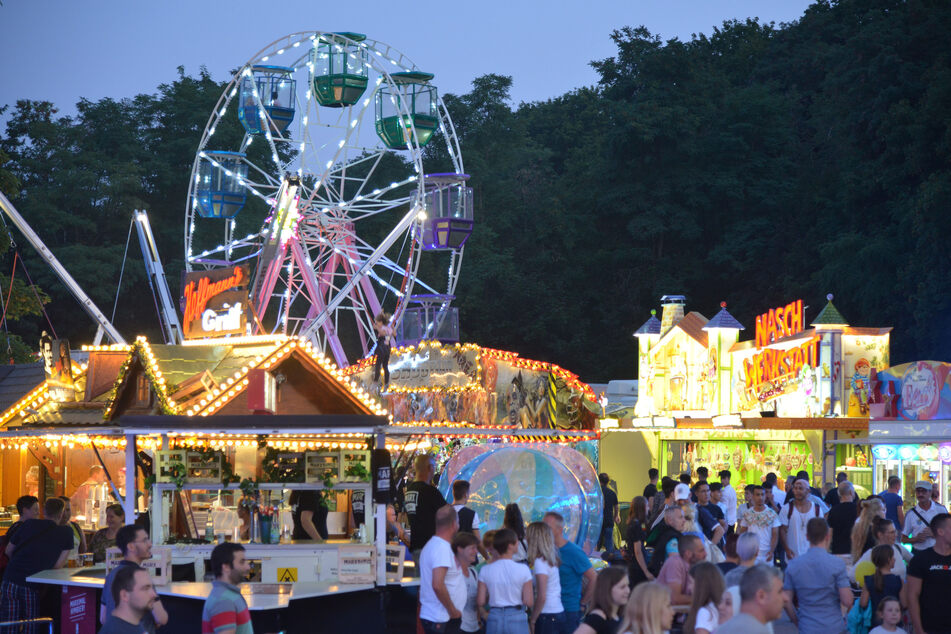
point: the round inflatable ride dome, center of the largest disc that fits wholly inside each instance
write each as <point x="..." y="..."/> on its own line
<point x="539" y="478"/>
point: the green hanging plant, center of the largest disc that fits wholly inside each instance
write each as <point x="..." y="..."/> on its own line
<point x="328" y="479"/>
<point x="357" y="470"/>
<point x="177" y="472"/>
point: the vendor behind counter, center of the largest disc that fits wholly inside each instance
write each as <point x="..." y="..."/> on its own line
<point x="309" y="511"/>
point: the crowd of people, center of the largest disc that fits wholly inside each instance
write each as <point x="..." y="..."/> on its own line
<point x="696" y="558"/>
<point x="791" y="556"/>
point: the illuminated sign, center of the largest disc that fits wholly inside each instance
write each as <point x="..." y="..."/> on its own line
<point x="772" y="372"/>
<point x="215" y="302"/>
<point x="777" y="323"/>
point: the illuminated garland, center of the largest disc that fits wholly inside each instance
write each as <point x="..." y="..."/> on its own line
<point x="234" y="385"/>
<point x="143" y="351"/>
<point x="571" y="379"/>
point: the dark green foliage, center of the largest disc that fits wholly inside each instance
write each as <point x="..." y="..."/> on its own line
<point x="755" y="164"/>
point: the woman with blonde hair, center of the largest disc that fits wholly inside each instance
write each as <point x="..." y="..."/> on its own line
<point x="708" y="587"/>
<point x="548" y="613"/>
<point x="862" y="536"/>
<point x="648" y="610"/>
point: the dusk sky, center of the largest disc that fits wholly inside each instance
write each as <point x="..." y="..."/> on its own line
<point x="65" y="50"/>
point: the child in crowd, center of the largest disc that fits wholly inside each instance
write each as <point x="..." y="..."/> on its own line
<point x="883" y="583"/>
<point x="889" y="613"/>
<point x="465" y="548"/>
<point x="505" y="588"/>
<point x="708" y="589"/>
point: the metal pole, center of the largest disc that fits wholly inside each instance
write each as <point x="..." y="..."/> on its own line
<point x="88" y="305"/>
<point x="129" y="502"/>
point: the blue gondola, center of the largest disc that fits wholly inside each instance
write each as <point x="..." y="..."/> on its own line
<point x="448" y="207"/>
<point x="276" y="89"/>
<point x="220" y="191"/>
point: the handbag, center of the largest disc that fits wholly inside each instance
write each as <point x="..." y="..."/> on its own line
<point x="859" y="620"/>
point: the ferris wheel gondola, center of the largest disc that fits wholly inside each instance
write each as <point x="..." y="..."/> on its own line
<point x="324" y="191"/>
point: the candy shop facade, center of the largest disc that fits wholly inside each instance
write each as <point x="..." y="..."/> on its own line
<point x="796" y="396"/>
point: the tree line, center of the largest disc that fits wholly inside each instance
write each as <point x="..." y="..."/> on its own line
<point x="755" y="164"/>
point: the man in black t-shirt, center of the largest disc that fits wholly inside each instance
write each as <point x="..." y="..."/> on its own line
<point x="310" y="516"/>
<point x="651" y="489"/>
<point x="37" y="545"/>
<point x="929" y="581"/>
<point x="421" y="501"/>
<point x="841" y="519"/>
<point x="611" y="516"/>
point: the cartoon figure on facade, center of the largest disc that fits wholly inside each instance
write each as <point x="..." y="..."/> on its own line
<point x="678" y="381"/>
<point x="708" y="378"/>
<point x="860" y="386"/>
<point x="808" y="389"/>
<point x="514" y="400"/>
<point x="534" y="411"/>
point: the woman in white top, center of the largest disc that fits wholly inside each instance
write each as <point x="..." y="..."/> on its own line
<point x="466" y="546"/>
<point x="548" y="614"/>
<point x="884" y="532"/>
<point x="708" y="587"/>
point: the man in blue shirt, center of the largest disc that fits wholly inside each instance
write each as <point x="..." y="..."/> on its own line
<point x="819" y="584"/>
<point x="575" y="573"/>
<point x="894" y="505"/>
<point x="136" y="547"/>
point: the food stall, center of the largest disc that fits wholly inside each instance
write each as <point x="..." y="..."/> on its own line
<point x="910" y="429"/>
<point x="221" y="428"/>
<point x="777" y="402"/>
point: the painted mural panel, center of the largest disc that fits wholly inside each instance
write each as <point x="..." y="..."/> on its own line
<point x="923" y="389"/>
<point x="860" y="356"/>
<point x="448" y="383"/>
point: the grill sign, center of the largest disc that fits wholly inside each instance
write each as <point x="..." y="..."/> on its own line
<point x="215" y="302"/>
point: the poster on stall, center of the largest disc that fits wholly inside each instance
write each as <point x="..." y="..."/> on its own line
<point x="78" y="610"/>
<point x="923" y="389"/>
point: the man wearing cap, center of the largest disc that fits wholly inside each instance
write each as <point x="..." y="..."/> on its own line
<point x="917" y="531"/>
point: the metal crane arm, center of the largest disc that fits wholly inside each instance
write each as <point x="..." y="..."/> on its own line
<point x="88" y="305"/>
<point x="171" y="327"/>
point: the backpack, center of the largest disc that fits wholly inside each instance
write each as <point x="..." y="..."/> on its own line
<point x="4" y="541"/>
<point x="793" y="504"/>
<point x="466" y="517"/>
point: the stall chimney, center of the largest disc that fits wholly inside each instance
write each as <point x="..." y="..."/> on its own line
<point x="673" y="311"/>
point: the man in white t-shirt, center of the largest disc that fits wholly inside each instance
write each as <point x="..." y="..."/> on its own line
<point x="763" y="522"/>
<point x="728" y="499"/>
<point x="917" y="531"/>
<point x="779" y="494"/>
<point x="442" y="585"/>
<point x="793" y="518"/>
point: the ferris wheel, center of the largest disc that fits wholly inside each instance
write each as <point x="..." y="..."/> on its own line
<point x="311" y="171"/>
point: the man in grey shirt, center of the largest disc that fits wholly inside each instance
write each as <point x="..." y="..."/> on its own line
<point x="819" y="583"/>
<point x="761" y="597"/>
<point x="747" y="548"/>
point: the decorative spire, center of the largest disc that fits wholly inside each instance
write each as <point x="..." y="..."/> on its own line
<point x="829" y="316"/>
<point x="723" y="320"/>
<point x="650" y="327"/>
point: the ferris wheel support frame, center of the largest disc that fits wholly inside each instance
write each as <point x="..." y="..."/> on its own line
<point x="404" y="224"/>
